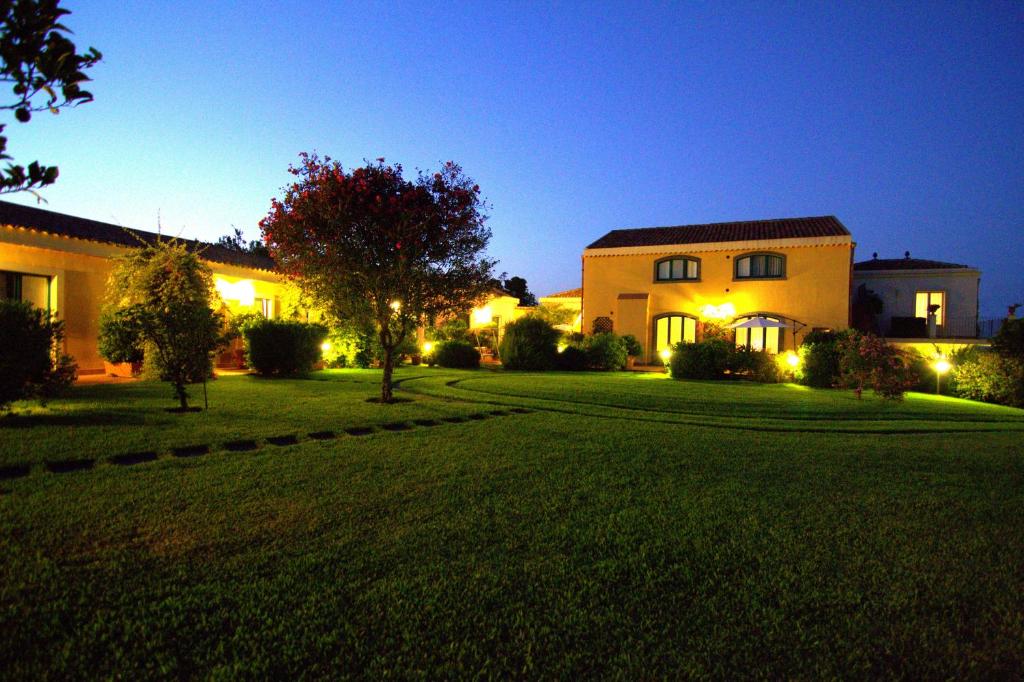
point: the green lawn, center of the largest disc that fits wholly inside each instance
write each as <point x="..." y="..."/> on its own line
<point x="623" y="526"/>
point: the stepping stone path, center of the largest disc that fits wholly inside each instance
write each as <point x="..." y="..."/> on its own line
<point x="248" y="445"/>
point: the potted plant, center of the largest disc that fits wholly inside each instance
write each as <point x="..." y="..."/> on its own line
<point x="633" y="350"/>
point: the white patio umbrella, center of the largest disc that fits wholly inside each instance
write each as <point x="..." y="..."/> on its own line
<point x="563" y="327"/>
<point x="758" y="323"/>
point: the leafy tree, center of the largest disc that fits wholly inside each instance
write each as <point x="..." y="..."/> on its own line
<point x="380" y="251"/>
<point x="163" y="292"/>
<point x="518" y="288"/>
<point x="1009" y="341"/>
<point x="236" y="242"/>
<point x="32" y="363"/>
<point x="38" y="58"/>
<point x="554" y="314"/>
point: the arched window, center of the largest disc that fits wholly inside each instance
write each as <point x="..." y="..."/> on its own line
<point x="677" y="269"/>
<point x="770" y="339"/>
<point x="672" y="328"/>
<point x="761" y="266"/>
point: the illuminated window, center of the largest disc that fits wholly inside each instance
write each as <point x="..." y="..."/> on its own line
<point x="18" y="286"/>
<point x="761" y="266"/>
<point x="759" y="338"/>
<point x="676" y="270"/>
<point x="266" y="307"/>
<point x="671" y="329"/>
<point x="928" y="298"/>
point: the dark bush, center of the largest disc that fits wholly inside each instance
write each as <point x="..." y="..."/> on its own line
<point x="819" y="360"/>
<point x="529" y="343"/>
<point x="633" y="346"/>
<point x="1009" y="341"/>
<point x="32" y="362"/>
<point x="283" y="347"/>
<point x="757" y="365"/>
<point x="572" y="359"/>
<point x="456" y="355"/>
<point x="605" y="351"/>
<point x="703" y="360"/>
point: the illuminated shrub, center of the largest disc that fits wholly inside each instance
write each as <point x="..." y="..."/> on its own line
<point x="703" y="360"/>
<point x="283" y="347"/>
<point x="529" y="343"/>
<point x="990" y="377"/>
<point x="456" y="355"/>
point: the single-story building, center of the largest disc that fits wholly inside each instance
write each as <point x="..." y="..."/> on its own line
<point x="61" y="263"/>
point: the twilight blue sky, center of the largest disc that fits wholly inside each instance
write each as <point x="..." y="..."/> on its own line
<point x="904" y="120"/>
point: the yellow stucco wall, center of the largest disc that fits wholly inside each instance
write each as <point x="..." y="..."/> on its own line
<point x="573" y="303"/>
<point x="815" y="290"/>
<point x="79" y="271"/>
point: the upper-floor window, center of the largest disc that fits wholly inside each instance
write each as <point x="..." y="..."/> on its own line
<point x="925" y="299"/>
<point x="676" y="270"/>
<point x="761" y="266"/>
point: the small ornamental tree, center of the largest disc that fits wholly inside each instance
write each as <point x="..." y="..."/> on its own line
<point x="162" y="293"/>
<point x="380" y="251"/>
<point x="866" y="360"/>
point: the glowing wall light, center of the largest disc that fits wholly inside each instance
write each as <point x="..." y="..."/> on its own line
<point x="325" y="346"/>
<point x="792" y="359"/>
<point x="427" y="347"/>
<point x="241" y="291"/>
<point x="718" y="312"/>
<point x="482" y="316"/>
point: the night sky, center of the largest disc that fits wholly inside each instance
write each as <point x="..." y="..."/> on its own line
<point x="905" y="121"/>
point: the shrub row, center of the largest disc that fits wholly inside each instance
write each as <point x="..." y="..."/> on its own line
<point x="717" y="358"/>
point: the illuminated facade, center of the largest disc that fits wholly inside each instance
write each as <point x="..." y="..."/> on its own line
<point x="61" y="263"/>
<point x="664" y="284"/>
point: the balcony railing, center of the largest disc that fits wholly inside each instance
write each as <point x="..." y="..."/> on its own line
<point x="917" y="328"/>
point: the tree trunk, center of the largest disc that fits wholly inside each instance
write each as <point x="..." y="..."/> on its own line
<point x="182" y="396"/>
<point x="389" y="367"/>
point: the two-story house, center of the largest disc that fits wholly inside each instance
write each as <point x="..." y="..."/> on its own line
<point x="661" y="284"/>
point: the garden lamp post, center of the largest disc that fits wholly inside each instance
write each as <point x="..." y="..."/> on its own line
<point x="941" y="367"/>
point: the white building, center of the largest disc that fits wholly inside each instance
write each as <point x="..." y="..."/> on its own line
<point x="908" y="286"/>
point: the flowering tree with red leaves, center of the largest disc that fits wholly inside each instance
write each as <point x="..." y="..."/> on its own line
<point x="380" y="251"/>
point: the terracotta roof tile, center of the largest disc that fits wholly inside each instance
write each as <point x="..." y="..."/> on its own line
<point x="51" y="222"/>
<point x="568" y="293"/>
<point x="748" y="230"/>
